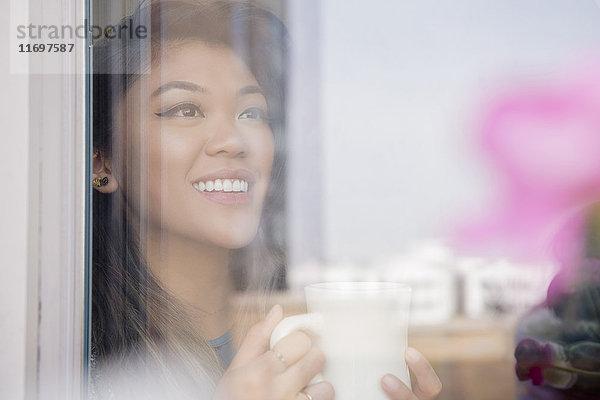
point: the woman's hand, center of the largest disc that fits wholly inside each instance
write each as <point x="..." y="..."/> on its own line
<point x="427" y="387"/>
<point x="257" y="373"/>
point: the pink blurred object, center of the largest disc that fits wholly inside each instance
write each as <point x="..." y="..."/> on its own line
<point x="545" y="143"/>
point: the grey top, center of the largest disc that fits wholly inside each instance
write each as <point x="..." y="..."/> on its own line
<point x="110" y="384"/>
<point x="223" y="345"/>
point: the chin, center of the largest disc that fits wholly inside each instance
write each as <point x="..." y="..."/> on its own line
<point x="235" y="239"/>
<point x="236" y="243"/>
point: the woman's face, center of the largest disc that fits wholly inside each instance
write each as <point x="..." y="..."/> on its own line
<point x="199" y="146"/>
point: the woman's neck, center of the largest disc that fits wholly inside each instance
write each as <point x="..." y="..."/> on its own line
<point x="197" y="274"/>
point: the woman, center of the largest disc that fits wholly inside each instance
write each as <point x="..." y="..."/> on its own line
<point x="188" y="168"/>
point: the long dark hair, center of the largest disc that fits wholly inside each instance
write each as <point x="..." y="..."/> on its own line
<point x="131" y="314"/>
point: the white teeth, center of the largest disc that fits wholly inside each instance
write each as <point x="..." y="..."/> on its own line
<point x="224" y="185"/>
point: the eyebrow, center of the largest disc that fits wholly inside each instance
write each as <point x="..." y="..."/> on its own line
<point x="192" y="87"/>
<point x="251" y="90"/>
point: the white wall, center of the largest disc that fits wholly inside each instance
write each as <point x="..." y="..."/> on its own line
<point x="14" y="170"/>
<point x="304" y="163"/>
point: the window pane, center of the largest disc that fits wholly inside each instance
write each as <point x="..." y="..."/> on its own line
<point x="189" y="189"/>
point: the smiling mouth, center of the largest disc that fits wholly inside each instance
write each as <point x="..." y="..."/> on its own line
<point x="222" y="185"/>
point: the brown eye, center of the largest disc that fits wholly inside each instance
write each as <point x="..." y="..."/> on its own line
<point x="183" y="110"/>
<point x="253" y="113"/>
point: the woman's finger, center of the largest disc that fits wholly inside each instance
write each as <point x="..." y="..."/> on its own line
<point x="318" y="391"/>
<point x="396" y="389"/>
<point x="428" y="385"/>
<point x="301" y="373"/>
<point x="256" y="342"/>
<point x="289" y="350"/>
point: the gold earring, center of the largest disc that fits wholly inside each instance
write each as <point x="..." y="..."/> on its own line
<point x="100" y="182"/>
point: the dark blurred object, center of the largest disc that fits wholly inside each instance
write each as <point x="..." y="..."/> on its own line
<point x="559" y="347"/>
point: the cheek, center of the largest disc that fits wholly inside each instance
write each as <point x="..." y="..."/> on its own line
<point x="166" y="170"/>
<point x="265" y="149"/>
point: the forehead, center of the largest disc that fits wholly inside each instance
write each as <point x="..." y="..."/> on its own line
<point x="211" y="66"/>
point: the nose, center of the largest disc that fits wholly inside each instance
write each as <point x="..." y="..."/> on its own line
<point x="226" y="140"/>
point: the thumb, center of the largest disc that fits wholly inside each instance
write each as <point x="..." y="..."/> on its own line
<point x="256" y="342"/>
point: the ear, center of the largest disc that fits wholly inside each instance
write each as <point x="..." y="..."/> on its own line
<point x="101" y="169"/>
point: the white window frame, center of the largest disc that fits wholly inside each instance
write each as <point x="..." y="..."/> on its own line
<point x="53" y="354"/>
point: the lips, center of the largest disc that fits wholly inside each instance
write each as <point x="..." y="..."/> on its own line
<point x="240" y="174"/>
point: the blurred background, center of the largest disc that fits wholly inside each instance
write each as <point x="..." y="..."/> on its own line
<point x="386" y="105"/>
